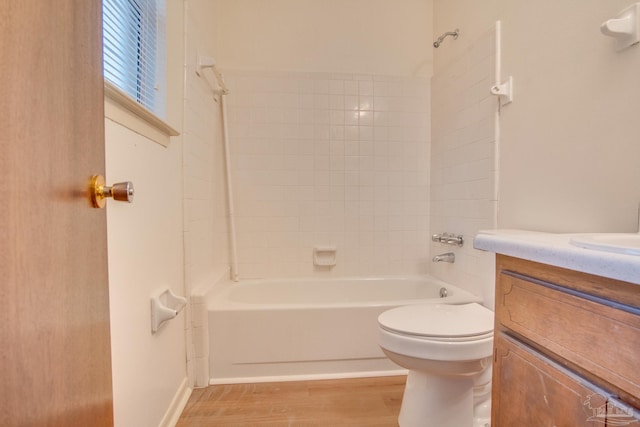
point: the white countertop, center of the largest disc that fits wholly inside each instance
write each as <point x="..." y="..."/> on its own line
<point x="555" y="249"/>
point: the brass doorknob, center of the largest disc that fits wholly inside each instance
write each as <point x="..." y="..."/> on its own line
<point x="121" y="191"/>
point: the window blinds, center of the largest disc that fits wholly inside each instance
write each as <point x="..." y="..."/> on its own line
<point x="134" y="49"/>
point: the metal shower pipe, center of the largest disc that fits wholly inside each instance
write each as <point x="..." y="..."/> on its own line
<point x="455" y="33"/>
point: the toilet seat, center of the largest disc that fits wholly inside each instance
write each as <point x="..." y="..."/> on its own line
<point x="438" y="331"/>
<point x="439" y="322"/>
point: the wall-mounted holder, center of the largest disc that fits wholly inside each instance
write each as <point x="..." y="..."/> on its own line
<point x="503" y="90"/>
<point x="324" y="256"/>
<point x="165" y="306"/>
<point x="624" y="28"/>
<point x="204" y="62"/>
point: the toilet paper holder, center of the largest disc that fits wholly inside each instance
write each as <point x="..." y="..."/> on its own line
<point x="165" y="306"/>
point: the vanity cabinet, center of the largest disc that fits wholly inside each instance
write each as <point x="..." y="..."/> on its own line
<point x="566" y="348"/>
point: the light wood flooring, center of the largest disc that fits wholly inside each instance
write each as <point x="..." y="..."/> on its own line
<point x="349" y="402"/>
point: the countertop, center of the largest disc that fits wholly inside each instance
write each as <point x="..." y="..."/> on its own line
<point x="555" y="249"/>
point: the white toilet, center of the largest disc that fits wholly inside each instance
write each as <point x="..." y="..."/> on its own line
<point x="447" y="350"/>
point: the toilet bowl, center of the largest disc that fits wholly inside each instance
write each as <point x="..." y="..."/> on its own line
<point x="447" y="350"/>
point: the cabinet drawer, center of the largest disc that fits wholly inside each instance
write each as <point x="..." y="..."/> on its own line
<point x="600" y="337"/>
<point x="530" y="390"/>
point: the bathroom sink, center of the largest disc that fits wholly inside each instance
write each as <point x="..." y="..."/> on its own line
<point x="622" y="243"/>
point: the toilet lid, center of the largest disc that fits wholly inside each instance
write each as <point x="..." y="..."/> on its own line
<point x="439" y="320"/>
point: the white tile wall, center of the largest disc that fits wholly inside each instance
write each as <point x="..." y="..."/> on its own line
<point x="205" y="209"/>
<point x="327" y="159"/>
<point x="463" y="167"/>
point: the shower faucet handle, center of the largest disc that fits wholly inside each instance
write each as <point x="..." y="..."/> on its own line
<point x="448" y="238"/>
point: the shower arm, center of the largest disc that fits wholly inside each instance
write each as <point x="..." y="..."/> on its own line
<point x="439" y="40"/>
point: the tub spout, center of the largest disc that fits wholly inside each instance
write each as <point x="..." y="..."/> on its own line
<point x="448" y="257"/>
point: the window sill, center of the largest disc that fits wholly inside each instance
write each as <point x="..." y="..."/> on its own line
<point x="119" y="107"/>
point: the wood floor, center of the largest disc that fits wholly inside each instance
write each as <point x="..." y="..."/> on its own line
<point x="349" y="402"/>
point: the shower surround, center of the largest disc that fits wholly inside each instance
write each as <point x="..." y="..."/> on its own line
<point x="464" y="168"/>
<point x="330" y="159"/>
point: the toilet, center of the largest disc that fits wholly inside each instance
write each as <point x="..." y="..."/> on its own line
<point x="447" y="350"/>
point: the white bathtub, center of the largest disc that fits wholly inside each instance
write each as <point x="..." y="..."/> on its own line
<point x="269" y="330"/>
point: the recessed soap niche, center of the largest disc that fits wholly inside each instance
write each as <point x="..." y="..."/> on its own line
<point x="325" y="256"/>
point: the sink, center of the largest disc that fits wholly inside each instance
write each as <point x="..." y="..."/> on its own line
<point x="621" y="243"/>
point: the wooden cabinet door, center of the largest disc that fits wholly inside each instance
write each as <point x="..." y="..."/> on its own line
<point x="529" y="390"/>
<point x="621" y="414"/>
<point x="55" y="357"/>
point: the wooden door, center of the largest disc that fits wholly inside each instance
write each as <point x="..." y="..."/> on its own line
<point x="55" y="364"/>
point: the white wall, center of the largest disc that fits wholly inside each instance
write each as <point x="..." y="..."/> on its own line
<point x="344" y="36"/>
<point x="145" y="256"/>
<point x="471" y="18"/>
<point x="569" y="140"/>
<point x="575" y="163"/>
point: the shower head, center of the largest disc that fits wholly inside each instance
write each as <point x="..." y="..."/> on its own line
<point x="439" y="40"/>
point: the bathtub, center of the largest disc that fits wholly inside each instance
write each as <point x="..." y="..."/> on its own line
<point x="276" y="330"/>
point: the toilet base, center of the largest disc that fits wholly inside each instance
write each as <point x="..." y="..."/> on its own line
<point x="482" y="414"/>
<point x="438" y="401"/>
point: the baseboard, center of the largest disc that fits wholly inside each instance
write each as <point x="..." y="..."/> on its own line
<point x="178" y="403"/>
<point x="311" y="377"/>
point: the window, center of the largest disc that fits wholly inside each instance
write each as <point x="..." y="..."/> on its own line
<point x="134" y="50"/>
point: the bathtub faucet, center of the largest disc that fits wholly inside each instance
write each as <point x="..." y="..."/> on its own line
<point x="448" y="257"/>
